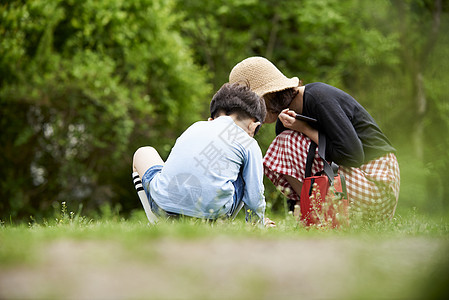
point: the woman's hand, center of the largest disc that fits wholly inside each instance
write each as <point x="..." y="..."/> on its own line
<point x="287" y="118"/>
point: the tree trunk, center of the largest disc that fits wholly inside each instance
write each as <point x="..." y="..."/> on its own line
<point x="421" y="108"/>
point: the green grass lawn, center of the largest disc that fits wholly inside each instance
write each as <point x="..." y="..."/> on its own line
<point x="71" y="257"/>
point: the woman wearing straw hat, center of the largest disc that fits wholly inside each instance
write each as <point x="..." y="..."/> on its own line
<point x="353" y="139"/>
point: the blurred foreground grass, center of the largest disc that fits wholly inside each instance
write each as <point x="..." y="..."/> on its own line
<point x="72" y="257"/>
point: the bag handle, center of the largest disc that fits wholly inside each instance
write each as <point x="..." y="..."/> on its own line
<point x="329" y="170"/>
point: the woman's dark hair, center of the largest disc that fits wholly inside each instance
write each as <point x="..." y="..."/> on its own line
<point x="278" y="101"/>
<point x="238" y="99"/>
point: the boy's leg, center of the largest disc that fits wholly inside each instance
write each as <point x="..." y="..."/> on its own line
<point x="144" y="158"/>
<point x="143" y="198"/>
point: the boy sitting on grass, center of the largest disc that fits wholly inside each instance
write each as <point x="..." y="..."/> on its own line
<point x="214" y="167"/>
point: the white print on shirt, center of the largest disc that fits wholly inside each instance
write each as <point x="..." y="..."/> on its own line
<point x="212" y="160"/>
<point x="188" y="181"/>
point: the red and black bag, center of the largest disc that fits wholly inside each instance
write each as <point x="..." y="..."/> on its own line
<point x="324" y="199"/>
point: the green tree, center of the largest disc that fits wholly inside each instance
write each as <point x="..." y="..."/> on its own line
<point x="82" y="85"/>
<point x="411" y="91"/>
<point x="421" y="26"/>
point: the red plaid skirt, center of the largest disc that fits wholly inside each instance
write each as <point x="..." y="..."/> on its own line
<point x="373" y="187"/>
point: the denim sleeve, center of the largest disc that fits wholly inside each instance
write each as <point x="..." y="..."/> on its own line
<point x="252" y="173"/>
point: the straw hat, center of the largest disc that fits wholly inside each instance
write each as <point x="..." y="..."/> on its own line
<point x="261" y="75"/>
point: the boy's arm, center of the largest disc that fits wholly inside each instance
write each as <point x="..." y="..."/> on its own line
<point x="253" y="195"/>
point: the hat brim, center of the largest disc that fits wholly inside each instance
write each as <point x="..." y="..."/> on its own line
<point x="277" y="86"/>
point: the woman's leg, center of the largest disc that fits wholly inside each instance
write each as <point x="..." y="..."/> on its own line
<point x="145" y="158"/>
<point x="294" y="183"/>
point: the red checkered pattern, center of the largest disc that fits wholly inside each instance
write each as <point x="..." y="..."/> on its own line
<point x="287" y="155"/>
<point x="373" y="187"/>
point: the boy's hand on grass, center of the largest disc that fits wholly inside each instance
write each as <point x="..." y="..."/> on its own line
<point x="269" y="223"/>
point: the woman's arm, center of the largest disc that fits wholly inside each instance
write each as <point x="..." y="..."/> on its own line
<point x="343" y="145"/>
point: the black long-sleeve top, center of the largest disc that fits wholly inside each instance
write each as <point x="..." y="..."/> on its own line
<point x="352" y="136"/>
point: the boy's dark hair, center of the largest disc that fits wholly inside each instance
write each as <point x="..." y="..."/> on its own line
<point x="278" y="101"/>
<point x="238" y="99"/>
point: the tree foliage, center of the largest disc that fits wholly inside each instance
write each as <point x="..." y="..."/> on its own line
<point x="83" y="84"/>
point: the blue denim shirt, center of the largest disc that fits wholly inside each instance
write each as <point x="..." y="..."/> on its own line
<point x="198" y="179"/>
